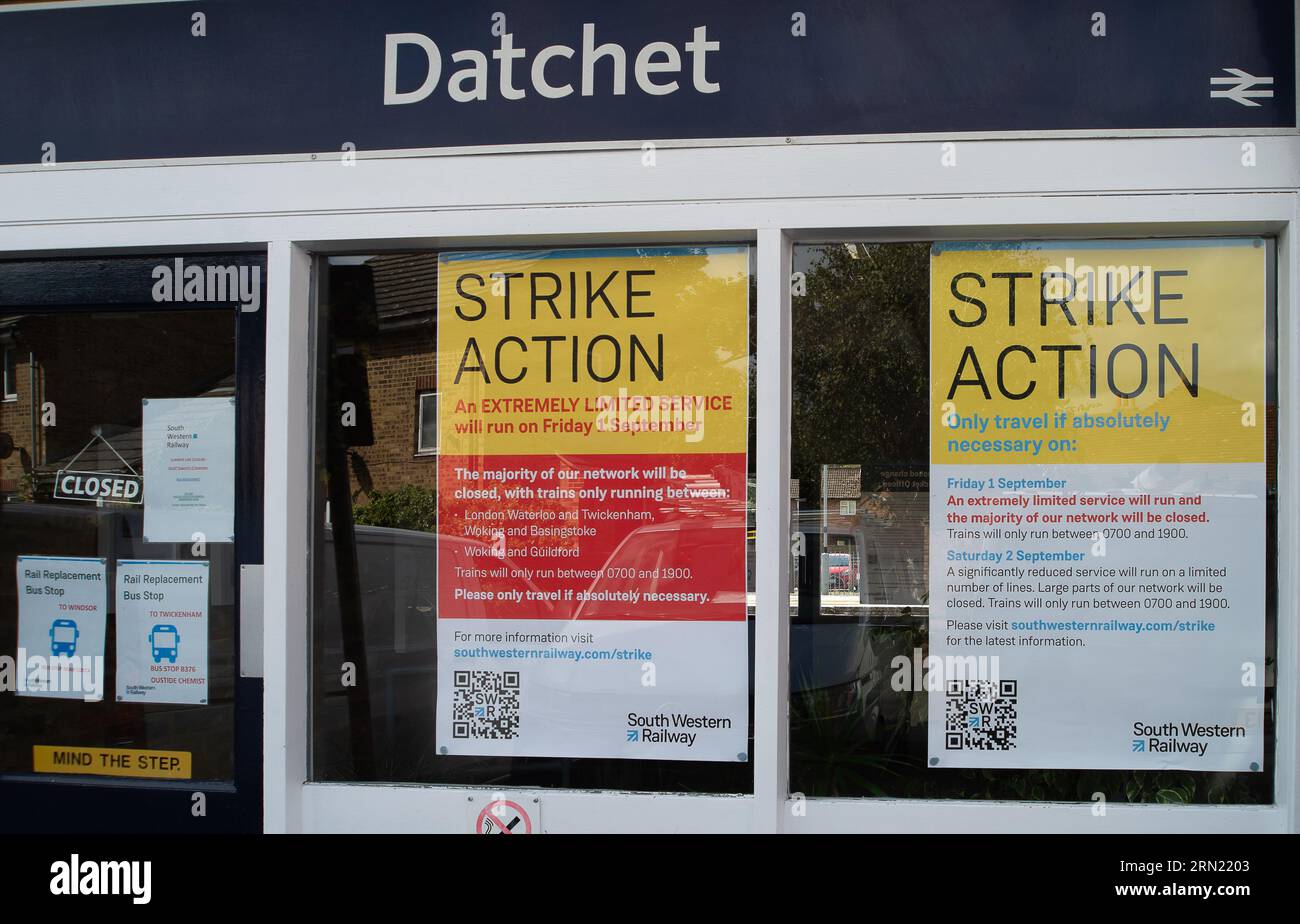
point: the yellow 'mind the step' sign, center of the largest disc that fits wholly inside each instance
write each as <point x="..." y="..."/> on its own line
<point x="159" y="765"/>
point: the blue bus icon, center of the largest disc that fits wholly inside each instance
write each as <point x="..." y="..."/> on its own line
<point x="63" y="637"/>
<point x="164" y="640"/>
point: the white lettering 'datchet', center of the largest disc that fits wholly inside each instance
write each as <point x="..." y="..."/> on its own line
<point x="653" y="68"/>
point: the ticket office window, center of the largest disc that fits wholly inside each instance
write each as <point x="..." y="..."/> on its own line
<point x="862" y="510"/>
<point x="388" y="529"/>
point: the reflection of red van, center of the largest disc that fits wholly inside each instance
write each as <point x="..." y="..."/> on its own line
<point x="468" y="566"/>
<point x="839" y="567"/>
<point x="698" y="566"/>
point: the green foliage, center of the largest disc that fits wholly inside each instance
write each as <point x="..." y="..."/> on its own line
<point x="32" y="489"/>
<point x="861" y="359"/>
<point x="829" y="752"/>
<point x="407" y="507"/>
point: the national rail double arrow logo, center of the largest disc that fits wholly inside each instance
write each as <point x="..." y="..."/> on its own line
<point x="1240" y="87"/>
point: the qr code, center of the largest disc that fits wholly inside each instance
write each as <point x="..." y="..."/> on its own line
<point x="485" y="705"/>
<point x="980" y="715"/>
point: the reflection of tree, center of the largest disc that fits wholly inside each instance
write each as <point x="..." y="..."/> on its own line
<point x="860" y="361"/>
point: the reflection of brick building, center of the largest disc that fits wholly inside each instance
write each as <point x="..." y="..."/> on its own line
<point x="401" y="367"/>
<point x="16" y="418"/>
<point x="90" y="370"/>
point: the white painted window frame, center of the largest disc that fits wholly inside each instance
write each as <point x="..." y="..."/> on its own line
<point x="9" y="392"/>
<point x="774" y="196"/>
<point x="420" y="448"/>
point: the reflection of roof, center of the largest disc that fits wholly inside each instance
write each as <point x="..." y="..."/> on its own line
<point x="406" y="287"/>
<point x="99" y="455"/>
<point x="126" y="441"/>
<point x="842" y="481"/>
<point x="8" y="323"/>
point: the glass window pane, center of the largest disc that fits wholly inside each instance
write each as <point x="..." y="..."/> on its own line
<point x="93" y="374"/>
<point x="860" y="568"/>
<point x="428" y="422"/>
<point x="10" y="373"/>
<point x="378" y="558"/>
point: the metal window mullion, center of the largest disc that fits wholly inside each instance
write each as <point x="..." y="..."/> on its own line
<point x="1287" y="728"/>
<point x="288" y="481"/>
<point x="772" y="524"/>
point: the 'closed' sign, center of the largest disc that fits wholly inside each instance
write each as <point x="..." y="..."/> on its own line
<point x="93" y="486"/>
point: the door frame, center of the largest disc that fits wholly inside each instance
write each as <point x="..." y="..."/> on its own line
<point x="54" y="802"/>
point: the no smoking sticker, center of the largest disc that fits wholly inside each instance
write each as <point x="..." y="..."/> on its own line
<point x="502" y="816"/>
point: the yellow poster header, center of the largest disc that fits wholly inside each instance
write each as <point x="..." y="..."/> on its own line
<point x="1098" y="352"/>
<point x="609" y="350"/>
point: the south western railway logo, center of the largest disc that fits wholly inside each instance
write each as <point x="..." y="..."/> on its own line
<point x="1180" y="737"/>
<point x="670" y="728"/>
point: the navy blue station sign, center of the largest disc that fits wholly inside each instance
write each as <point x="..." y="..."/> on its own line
<point x="228" y="78"/>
